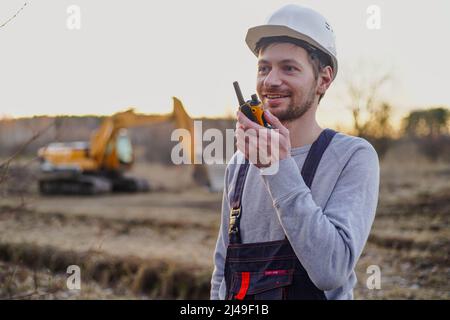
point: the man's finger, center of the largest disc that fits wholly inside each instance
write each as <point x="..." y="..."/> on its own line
<point x="242" y="140"/>
<point x="246" y="122"/>
<point x="275" y="122"/>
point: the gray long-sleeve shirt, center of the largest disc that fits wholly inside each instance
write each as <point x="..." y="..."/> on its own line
<point x="327" y="226"/>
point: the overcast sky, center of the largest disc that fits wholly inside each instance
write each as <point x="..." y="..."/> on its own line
<point x="141" y="53"/>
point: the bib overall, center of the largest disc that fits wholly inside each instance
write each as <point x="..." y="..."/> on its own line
<point x="269" y="270"/>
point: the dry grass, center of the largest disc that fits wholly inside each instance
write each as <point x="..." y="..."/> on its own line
<point x="410" y="238"/>
<point x="160" y="245"/>
<point x="125" y="275"/>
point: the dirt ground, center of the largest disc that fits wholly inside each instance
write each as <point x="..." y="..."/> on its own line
<point x="160" y="245"/>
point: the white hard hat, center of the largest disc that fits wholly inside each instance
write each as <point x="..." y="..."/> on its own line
<point x="297" y="22"/>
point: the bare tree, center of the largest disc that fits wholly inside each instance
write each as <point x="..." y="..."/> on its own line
<point x="365" y="87"/>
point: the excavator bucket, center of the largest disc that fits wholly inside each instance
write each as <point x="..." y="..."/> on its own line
<point x="209" y="175"/>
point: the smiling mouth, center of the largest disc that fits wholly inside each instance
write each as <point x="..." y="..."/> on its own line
<point x="276" y="96"/>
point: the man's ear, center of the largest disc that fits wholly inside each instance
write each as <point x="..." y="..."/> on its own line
<point x="325" y="79"/>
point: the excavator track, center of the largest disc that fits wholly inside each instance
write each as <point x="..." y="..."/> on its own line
<point x="83" y="184"/>
<point x="79" y="185"/>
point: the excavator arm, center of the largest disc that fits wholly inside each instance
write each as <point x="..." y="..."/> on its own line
<point x="102" y="149"/>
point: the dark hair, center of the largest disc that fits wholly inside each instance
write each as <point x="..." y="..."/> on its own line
<point x="316" y="57"/>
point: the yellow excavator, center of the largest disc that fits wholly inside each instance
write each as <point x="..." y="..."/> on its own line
<point x="98" y="166"/>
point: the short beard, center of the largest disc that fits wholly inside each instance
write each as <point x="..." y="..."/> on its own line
<point x="294" y="112"/>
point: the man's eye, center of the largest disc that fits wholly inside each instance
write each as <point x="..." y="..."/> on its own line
<point x="262" y="69"/>
<point x="290" y="68"/>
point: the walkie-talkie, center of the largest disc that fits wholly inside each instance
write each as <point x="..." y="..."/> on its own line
<point x="252" y="108"/>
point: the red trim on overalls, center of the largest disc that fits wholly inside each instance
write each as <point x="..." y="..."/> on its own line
<point x="245" y="282"/>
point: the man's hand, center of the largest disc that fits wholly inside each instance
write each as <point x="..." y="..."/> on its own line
<point x="262" y="146"/>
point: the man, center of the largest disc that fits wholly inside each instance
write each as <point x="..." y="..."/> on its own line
<point x="297" y="233"/>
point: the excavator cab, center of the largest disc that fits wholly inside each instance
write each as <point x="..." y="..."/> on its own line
<point x="124" y="148"/>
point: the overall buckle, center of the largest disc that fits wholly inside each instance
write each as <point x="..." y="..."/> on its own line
<point x="236" y="212"/>
<point x="234" y="215"/>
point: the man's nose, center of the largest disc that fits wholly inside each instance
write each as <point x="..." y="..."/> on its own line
<point x="272" y="79"/>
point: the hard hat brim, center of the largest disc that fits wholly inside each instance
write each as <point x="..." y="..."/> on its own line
<point x="257" y="33"/>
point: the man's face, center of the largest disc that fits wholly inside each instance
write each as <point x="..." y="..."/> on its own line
<point x="285" y="81"/>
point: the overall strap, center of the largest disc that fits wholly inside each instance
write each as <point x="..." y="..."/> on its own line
<point x="308" y="172"/>
<point x="234" y="234"/>
<point x="315" y="155"/>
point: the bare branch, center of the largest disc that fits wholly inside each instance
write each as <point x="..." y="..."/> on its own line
<point x="15" y="15"/>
